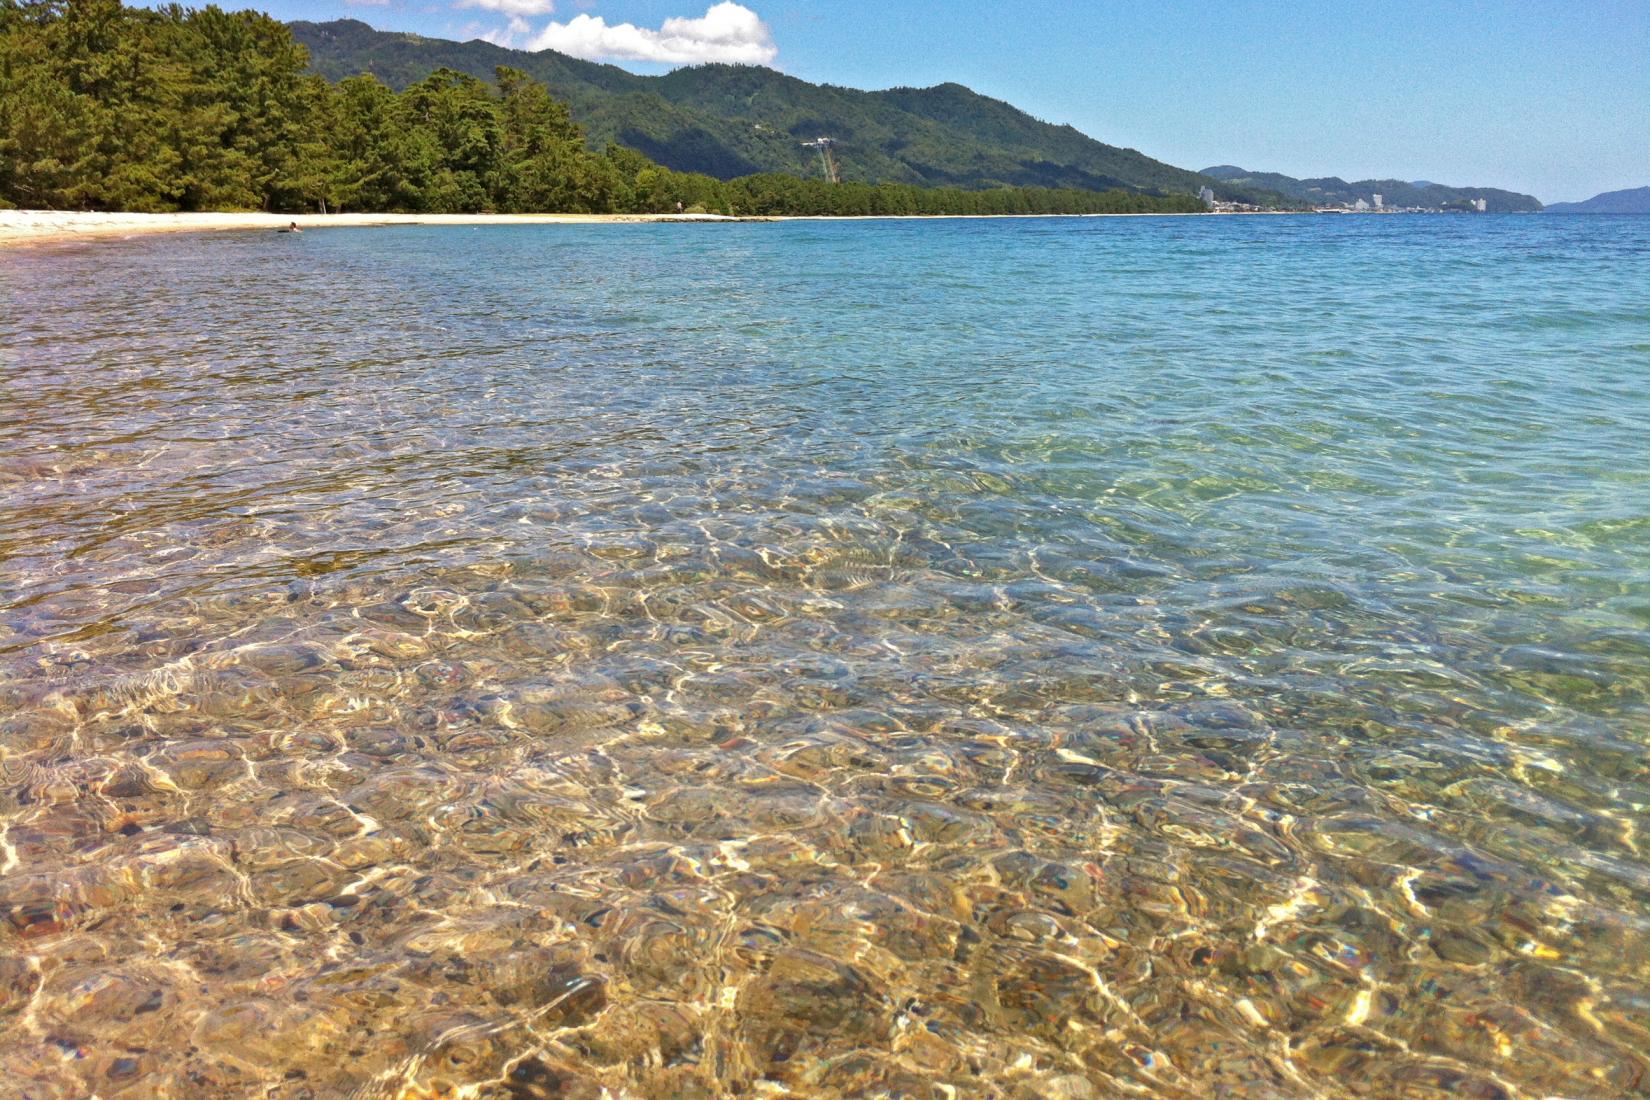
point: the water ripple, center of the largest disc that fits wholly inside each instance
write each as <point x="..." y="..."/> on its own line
<point x="1067" y="658"/>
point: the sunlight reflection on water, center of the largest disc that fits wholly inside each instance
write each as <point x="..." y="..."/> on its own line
<point x="1061" y="658"/>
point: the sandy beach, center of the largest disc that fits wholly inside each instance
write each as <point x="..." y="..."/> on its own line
<point x="45" y="226"/>
<point x="20" y="227"/>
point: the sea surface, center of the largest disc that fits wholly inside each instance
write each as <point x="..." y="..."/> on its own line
<point x="1077" y="658"/>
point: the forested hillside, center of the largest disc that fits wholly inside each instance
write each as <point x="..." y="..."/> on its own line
<point x="729" y="120"/>
<point x="1334" y="191"/>
<point x="105" y="107"/>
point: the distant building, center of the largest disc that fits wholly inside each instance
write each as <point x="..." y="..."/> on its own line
<point x="1481" y="205"/>
<point x="1361" y="206"/>
<point x="1380" y="202"/>
<point x="1207" y="197"/>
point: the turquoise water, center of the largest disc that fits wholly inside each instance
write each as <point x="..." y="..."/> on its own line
<point x="1069" y="657"/>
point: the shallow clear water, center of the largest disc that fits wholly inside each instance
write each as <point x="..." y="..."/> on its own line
<point x="1190" y="657"/>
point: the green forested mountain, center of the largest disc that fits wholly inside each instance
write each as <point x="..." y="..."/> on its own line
<point x="1333" y="191"/>
<point x="105" y="107"/>
<point x="1633" y="201"/>
<point x="730" y="120"/>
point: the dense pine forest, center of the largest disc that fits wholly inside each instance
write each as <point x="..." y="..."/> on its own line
<point x="105" y="107"/>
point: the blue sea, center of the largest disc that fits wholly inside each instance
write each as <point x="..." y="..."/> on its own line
<point x="1186" y="657"/>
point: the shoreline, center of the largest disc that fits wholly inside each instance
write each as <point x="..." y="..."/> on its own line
<point x="25" y="227"/>
<point x="19" y="227"/>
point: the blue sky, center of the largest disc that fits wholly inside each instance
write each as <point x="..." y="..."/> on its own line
<point x="1548" y="97"/>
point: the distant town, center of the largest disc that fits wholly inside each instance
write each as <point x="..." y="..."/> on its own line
<point x="1375" y="204"/>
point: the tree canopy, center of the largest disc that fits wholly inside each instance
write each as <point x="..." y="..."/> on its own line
<point x="105" y="107"/>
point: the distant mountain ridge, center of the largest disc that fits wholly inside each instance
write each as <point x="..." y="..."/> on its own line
<point x="731" y="120"/>
<point x="1334" y="191"/>
<point x="1632" y="201"/>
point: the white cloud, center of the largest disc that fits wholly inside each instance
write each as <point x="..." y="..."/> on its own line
<point x="516" y="9"/>
<point x="507" y="37"/>
<point x="728" y="32"/>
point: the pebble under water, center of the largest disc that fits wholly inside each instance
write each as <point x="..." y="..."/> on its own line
<point x="1057" y="658"/>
